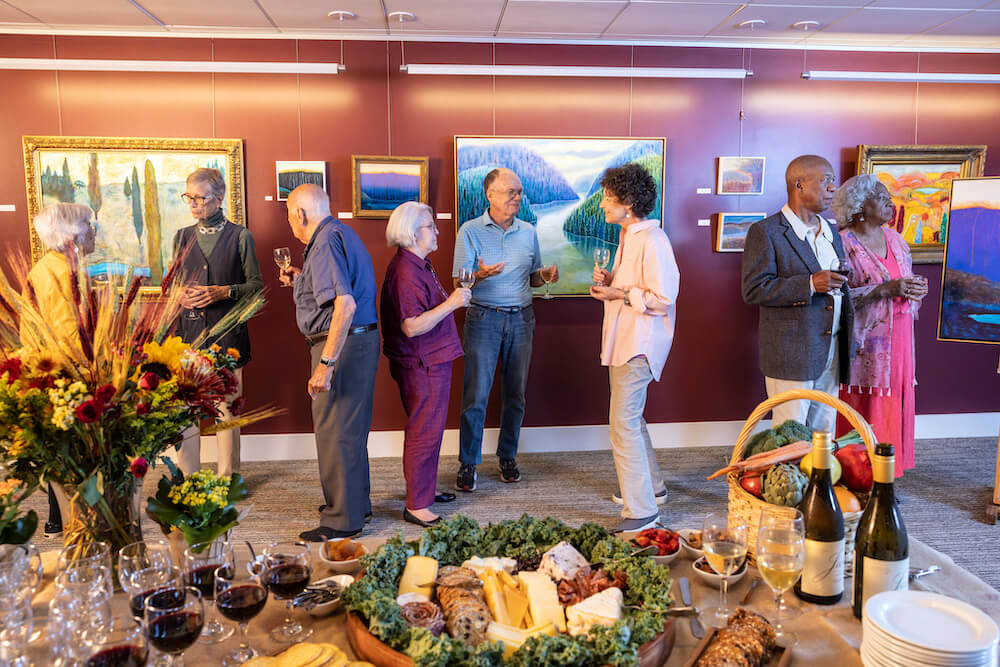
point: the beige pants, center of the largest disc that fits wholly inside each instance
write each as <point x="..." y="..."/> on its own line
<point x="817" y="416"/>
<point x="189" y="453"/>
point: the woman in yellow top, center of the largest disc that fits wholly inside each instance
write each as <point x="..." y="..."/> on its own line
<point x="67" y="233"/>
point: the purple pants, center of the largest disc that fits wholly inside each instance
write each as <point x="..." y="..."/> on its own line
<point x="424" y="391"/>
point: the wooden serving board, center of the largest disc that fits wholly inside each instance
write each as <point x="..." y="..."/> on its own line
<point x="781" y="657"/>
<point x="368" y="647"/>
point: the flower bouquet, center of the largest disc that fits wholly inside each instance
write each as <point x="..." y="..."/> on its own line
<point x="15" y="527"/>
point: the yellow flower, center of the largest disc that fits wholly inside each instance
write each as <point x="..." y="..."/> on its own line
<point x="233" y="352"/>
<point x="168" y="353"/>
<point x="214" y="347"/>
<point x="9" y="486"/>
<point x="18" y="447"/>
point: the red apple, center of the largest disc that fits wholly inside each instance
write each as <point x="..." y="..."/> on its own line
<point x="857" y="468"/>
<point x="752" y="482"/>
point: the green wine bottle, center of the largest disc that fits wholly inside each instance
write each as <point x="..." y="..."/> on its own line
<point x="882" y="549"/>
<point x="822" y="580"/>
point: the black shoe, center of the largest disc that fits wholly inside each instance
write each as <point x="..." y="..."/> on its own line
<point x="445" y="497"/>
<point x="53" y="529"/>
<point x="410" y="518"/>
<point x="368" y="517"/>
<point x="467" y="477"/>
<point x="322" y="533"/>
<point x="508" y="471"/>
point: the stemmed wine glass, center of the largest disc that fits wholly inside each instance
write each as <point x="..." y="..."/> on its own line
<point x="142" y="583"/>
<point x="140" y="556"/>
<point x="16" y="625"/>
<point x="287" y="568"/>
<point x="283" y="258"/>
<point x="781" y="554"/>
<point x="239" y="596"/>
<point x="122" y="646"/>
<point x="542" y="275"/>
<point x="724" y="539"/>
<point x="466" y="277"/>
<point x="200" y="563"/>
<point x="843" y="267"/>
<point x="174" y="618"/>
<point x="602" y="256"/>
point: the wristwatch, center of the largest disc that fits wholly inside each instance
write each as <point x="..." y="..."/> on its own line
<point x="625" y="298"/>
<point x="328" y="362"/>
<point x="232" y="292"/>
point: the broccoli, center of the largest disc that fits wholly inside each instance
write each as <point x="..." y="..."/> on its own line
<point x="784" y="485"/>
<point x="793" y="431"/>
<point x="773" y="438"/>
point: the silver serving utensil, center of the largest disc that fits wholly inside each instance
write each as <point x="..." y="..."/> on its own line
<point x="673" y="611"/>
<point x="916" y="574"/>
<point x="753" y="584"/>
<point x="697" y="629"/>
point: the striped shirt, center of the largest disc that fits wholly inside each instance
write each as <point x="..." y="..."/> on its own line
<point x="517" y="247"/>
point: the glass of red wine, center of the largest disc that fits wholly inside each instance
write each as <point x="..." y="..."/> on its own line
<point x="200" y="563"/>
<point x="123" y="646"/>
<point x="240" y="595"/>
<point x="287" y="568"/>
<point x="174" y="619"/>
<point x="143" y="583"/>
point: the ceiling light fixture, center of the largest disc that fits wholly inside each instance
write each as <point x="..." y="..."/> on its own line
<point x="342" y="15"/>
<point x="751" y="24"/>
<point x="401" y="17"/>
<point x="217" y="67"/>
<point x="805" y="26"/>
<point x="546" y="70"/>
<point x="906" y="77"/>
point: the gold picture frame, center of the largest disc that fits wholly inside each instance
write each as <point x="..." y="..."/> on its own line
<point x="919" y="179"/>
<point x="380" y="183"/>
<point x="134" y="185"/>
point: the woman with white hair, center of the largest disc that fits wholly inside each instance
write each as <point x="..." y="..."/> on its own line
<point x="68" y="235"/>
<point x="886" y="296"/>
<point x="421" y="342"/>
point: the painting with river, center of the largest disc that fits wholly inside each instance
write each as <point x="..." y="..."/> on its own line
<point x="562" y="193"/>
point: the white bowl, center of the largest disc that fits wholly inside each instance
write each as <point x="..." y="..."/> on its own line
<point x="716" y="579"/>
<point x="689" y="551"/>
<point x="668" y="558"/>
<point x="341" y="566"/>
<point x="328" y="608"/>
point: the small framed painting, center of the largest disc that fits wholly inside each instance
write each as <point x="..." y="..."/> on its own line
<point x="732" y="232"/>
<point x="740" y="176"/>
<point x="381" y="183"/>
<point x="291" y="174"/>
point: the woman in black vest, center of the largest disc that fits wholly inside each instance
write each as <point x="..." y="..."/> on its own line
<point x="220" y="267"/>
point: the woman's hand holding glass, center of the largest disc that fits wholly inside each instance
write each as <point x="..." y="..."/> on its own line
<point x="781" y="554"/>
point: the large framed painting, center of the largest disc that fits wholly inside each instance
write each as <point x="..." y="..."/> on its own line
<point x="134" y="186"/>
<point x="562" y="193"/>
<point x="970" y="289"/>
<point x="919" y="180"/>
<point x="740" y="175"/>
<point x="733" y="227"/>
<point x="383" y="182"/>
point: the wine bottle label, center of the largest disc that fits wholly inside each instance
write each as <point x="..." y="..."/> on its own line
<point x="880" y="576"/>
<point x="823" y="574"/>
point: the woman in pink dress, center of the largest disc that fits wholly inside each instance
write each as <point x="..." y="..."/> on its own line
<point x="886" y="296"/>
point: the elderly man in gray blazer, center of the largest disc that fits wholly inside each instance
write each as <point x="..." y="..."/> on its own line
<point x="790" y="269"/>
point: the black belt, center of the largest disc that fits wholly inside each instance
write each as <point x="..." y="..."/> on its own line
<point x="353" y="331"/>
<point x="502" y="309"/>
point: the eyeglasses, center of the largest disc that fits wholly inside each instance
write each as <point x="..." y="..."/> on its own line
<point x="197" y="199"/>
<point x="510" y="194"/>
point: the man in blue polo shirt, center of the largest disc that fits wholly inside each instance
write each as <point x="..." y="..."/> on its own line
<point x="335" y="310"/>
<point x="499" y="322"/>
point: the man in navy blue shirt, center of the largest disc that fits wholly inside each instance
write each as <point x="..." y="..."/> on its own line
<point x="335" y="310"/>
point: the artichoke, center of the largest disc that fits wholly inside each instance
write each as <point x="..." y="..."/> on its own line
<point x="784" y="485"/>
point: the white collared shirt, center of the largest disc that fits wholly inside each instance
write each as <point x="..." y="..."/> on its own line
<point x="821" y="243"/>
<point x="646" y="269"/>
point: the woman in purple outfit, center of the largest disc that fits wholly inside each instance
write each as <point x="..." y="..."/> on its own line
<point x="421" y="342"/>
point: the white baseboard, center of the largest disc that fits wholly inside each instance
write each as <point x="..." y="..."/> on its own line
<point x="294" y="446"/>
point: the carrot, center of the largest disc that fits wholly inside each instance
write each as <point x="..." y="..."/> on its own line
<point x="795" y="450"/>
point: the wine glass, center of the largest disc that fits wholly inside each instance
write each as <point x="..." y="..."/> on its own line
<point x="843" y="267"/>
<point x="724" y="540"/>
<point x="140" y="556"/>
<point x="546" y="280"/>
<point x="781" y="554"/>
<point x="123" y="646"/>
<point x="239" y="596"/>
<point x="602" y="256"/>
<point x="143" y="583"/>
<point x="466" y="277"/>
<point x="283" y="258"/>
<point x="200" y="563"/>
<point x="80" y="610"/>
<point x="15" y="629"/>
<point x="88" y="553"/>
<point x="174" y="618"/>
<point x="287" y="568"/>
<point x="20" y="569"/>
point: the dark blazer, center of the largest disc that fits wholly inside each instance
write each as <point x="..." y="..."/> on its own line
<point x="795" y="328"/>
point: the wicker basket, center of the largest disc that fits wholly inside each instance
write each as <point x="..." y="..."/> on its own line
<point x="748" y="506"/>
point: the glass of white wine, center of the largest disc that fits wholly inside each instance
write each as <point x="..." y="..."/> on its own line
<point x="283" y="258"/>
<point x="466" y="277"/>
<point x="602" y="257"/>
<point x="781" y="553"/>
<point x="724" y="539"/>
<point x="546" y="280"/>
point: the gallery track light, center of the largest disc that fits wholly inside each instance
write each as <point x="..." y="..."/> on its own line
<point x="904" y="77"/>
<point x="599" y="72"/>
<point x="218" y="67"/>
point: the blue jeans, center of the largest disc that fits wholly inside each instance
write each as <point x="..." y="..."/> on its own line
<point x="491" y="335"/>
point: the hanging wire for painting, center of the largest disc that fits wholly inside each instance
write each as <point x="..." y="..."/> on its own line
<point x="916" y="103"/>
<point x="746" y="65"/>
<point x="388" y="98"/>
<point x="212" y="80"/>
<point x="58" y="91"/>
<point x="298" y="97"/>
<point x="631" y="64"/>
<point x="494" y="80"/>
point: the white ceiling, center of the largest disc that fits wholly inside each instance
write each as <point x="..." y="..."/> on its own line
<point x="954" y="25"/>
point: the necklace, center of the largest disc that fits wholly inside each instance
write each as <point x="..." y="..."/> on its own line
<point x="210" y="230"/>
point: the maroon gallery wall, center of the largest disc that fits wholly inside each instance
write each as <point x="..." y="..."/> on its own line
<point x="373" y="108"/>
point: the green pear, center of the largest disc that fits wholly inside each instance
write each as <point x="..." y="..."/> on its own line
<point x="835" y="470"/>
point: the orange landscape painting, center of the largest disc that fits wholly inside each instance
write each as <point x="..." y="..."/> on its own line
<point x="920" y="197"/>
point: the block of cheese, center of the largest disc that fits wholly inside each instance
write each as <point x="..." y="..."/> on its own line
<point x="562" y="561"/>
<point x="495" y="599"/>
<point x="517" y="606"/>
<point x="543" y="599"/>
<point x="602" y="608"/>
<point x="418" y="576"/>
<point x="513" y="638"/>
<point x="480" y="565"/>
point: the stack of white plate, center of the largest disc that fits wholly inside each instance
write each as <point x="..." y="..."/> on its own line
<point x="919" y="629"/>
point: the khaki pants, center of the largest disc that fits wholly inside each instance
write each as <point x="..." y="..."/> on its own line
<point x="189" y="453"/>
<point x="817" y="416"/>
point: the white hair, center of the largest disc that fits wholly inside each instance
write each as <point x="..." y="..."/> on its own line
<point x="850" y="198"/>
<point x="404" y="222"/>
<point x="60" y="225"/>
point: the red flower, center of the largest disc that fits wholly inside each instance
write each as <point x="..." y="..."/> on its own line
<point x="138" y="467"/>
<point x="142" y="409"/>
<point x="13" y="369"/>
<point x="104" y="394"/>
<point x="237" y="406"/>
<point x="229" y="382"/>
<point x="149" y="381"/>
<point x="88" y="412"/>
<point x="42" y="382"/>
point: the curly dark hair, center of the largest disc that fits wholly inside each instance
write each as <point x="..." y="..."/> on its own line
<point x="633" y="186"/>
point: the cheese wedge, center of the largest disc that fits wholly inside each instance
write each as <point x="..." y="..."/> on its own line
<point x="418" y="576"/>
<point x="299" y="655"/>
<point x="602" y="608"/>
<point x="517" y="605"/>
<point x="562" y="561"/>
<point x="513" y="638"/>
<point x="495" y="600"/>
<point x="543" y="599"/>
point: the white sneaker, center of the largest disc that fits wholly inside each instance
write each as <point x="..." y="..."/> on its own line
<point x="661" y="497"/>
<point x="636" y="525"/>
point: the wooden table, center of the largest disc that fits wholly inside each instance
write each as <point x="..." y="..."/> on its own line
<point x="827" y="635"/>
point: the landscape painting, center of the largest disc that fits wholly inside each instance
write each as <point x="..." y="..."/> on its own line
<point x="733" y="228"/>
<point x="919" y="180"/>
<point x="292" y="174"/>
<point x="562" y="193"/>
<point x="970" y="293"/>
<point x="740" y="176"/>
<point x="134" y="186"/>
<point x="381" y="183"/>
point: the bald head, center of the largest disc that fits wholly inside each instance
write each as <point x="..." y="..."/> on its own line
<point x="811" y="183"/>
<point x="803" y="167"/>
<point x="312" y="199"/>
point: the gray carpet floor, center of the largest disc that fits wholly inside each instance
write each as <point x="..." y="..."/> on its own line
<point x="944" y="497"/>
